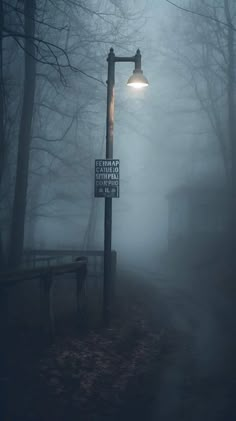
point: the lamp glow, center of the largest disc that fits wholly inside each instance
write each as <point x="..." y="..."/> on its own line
<point x="137" y="80"/>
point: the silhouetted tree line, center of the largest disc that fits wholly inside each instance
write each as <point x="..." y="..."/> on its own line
<point x="207" y="51"/>
<point x="48" y="52"/>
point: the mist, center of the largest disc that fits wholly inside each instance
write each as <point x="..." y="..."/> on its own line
<point x="173" y="230"/>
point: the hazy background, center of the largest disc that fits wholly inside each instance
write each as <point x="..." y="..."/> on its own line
<point x="163" y="136"/>
<point x="154" y="140"/>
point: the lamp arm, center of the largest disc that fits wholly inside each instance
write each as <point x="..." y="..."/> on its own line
<point x="125" y="59"/>
<point x="134" y="59"/>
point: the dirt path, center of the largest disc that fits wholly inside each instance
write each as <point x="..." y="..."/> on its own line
<point x="184" y="332"/>
<point x="198" y="377"/>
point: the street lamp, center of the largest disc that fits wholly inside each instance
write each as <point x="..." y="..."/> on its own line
<point x="137" y="80"/>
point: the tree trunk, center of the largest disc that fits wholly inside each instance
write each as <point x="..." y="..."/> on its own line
<point x="20" y="197"/>
<point x="2" y="121"/>
<point x="2" y="108"/>
<point x="232" y="135"/>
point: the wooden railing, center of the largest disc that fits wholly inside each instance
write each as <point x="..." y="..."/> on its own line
<point x="46" y="276"/>
<point x="48" y="257"/>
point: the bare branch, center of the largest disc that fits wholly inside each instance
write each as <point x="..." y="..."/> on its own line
<point x="50" y="46"/>
<point x="53" y="154"/>
<point x="231" y="26"/>
<point x="59" y="139"/>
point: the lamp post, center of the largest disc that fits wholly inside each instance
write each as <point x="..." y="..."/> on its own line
<point x="137" y="80"/>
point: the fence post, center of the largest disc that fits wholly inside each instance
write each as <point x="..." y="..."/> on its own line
<point x="81" y="274"/>
<point x="47" y="316"/>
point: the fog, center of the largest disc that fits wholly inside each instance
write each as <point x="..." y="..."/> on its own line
<point x="174" y="222"/>
<point x="156" y="138"/>
<point x="162" y="137"/>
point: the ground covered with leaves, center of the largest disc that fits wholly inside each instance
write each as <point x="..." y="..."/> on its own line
<point x="104" y="373"/>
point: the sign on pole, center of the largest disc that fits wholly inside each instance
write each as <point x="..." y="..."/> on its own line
<point x="107" y="178"/>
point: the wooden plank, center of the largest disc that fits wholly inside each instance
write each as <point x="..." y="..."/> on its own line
<point x="12" y="278"/>
<point x="66" y="252"/>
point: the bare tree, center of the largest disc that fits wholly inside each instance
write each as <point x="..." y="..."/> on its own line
<point x="202" y="15"/>
<point x="19" y="204"/>
<point x="58" y="41"/>
<point x="208" y="54"/>
<point x="2" y="119"/>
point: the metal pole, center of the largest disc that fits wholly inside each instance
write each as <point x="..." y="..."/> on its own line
<point x="108" y="201"/>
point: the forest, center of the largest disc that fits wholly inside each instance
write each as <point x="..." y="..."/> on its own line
<point x="173" y="244"/>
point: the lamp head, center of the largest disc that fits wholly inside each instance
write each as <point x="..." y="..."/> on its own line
<point x="137" y="80"/>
